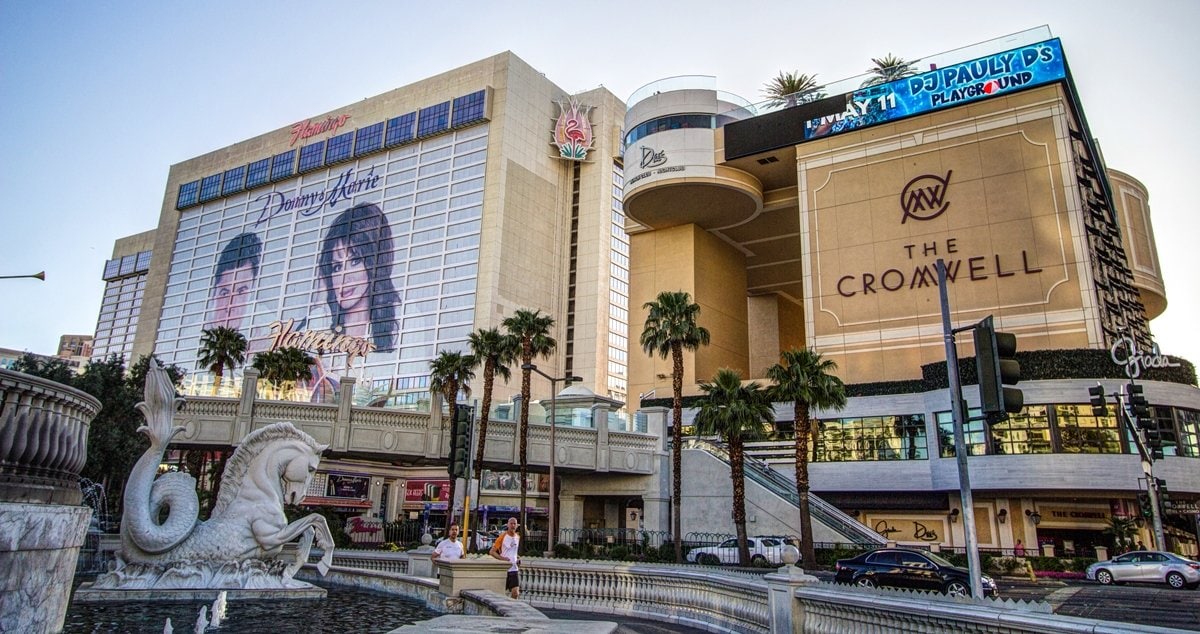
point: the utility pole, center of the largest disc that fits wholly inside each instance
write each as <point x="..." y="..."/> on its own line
<point x="958" y="410"/>
<point x="1129" y="414"/>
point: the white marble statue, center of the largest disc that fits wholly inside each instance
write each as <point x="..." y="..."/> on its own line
<point x="238" y="546"/>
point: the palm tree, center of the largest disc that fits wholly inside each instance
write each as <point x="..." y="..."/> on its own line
<point x="1122" y="531"/>
<point x="285" y="365"/>
<point x="792" y="89"/>
<point x="221" y="347"/>
<point x="450" y="374"/>
<point x="737" y="413"/>
<point x="531" y="331"/>
<point x="670" y="329"/>
<point x="808" y="381"/>
<point x="495" y="351"/>
<point x="889" y="68"/>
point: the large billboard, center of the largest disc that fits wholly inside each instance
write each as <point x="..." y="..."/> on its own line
<point x="370" y="265"/>
<point x="953" y="85"/>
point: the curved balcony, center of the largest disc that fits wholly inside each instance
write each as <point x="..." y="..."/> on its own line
<point x="43" y="439"/>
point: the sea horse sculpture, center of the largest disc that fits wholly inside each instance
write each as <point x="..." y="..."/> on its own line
<point x="238" y="546"/>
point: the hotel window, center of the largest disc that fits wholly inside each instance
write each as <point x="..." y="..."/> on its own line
<point x="311" y="156"/>
<point x="974" y="434"/>
<point x="283" y="165"/>
<point x="1189" y="427"/>
<point x="1024" y="433"/>
<point x="1166" y="430"/>
<point x="259" y="173"/>
<point x="1081" y="432"/>
<point x="368" y="139"/>
<point x="339" y="148"/>
<point x="468" y="108"/>
<point x="871" y="438"/>
<point x="210" y="187"/>
<point x="400" y="129"/>
<point x="433" y="119"/>
<point x="189" y="194"/>
<point x="234" y="181"/>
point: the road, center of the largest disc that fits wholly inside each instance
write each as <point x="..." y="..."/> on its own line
<point x="1140" y="604"/>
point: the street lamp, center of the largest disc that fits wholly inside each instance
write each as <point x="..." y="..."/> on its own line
<point x="566" y="380"/>
<point x="41" y="275"/>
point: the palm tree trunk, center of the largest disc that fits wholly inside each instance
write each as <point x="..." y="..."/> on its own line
<point x="737" y="472"/>
<point x="677" y="447"/>
<point x="526" y="359"/>
<point x="803" y="427"/>
<point x="489" y="375"/>
<point x="217" y="381"/>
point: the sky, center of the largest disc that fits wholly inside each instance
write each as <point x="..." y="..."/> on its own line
<point x="100" y="98"/>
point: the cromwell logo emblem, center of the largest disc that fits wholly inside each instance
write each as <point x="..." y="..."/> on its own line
<point x="924" y="197"/>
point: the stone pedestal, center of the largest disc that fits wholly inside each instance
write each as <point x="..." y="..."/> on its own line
<point x="420" y="562"/>
<point x="484" y="573"/>
<point x="1101" y="553"/>
<point x="787" y="614"/>
<point x="39" y="545"/>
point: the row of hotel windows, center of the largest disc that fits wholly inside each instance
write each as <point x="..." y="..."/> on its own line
<point x="1039" y="429"/>
<point x="436" y="119"/>
<point x="127" y="265"/>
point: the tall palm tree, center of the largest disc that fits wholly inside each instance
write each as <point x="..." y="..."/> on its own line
<point x="889" y="68"/>
<point x="449" y="375"/>
<point x="737" y="413"/>
<point x="807" y="380"/>
<point x="221" y="347"/>
<point x="494" y="351"/>
<point x="792" y="89"/>
<point x="670" y="329"/>
<point x="531" y="330"/>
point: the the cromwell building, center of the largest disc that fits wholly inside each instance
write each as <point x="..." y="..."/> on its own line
<point x="817" y="222"/>
<point x="384" y="232"/>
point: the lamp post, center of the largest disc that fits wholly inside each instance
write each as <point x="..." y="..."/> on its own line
<point x="552" y="525"/>
<point x="40" y="275"/>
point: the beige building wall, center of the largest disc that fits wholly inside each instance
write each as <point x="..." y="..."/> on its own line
<point x="1132" y="202"/>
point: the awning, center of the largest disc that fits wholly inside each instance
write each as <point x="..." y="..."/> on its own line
<point x="346" y="503"/>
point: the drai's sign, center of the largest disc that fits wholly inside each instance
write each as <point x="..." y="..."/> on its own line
<point x="1124" y="352"/>
<point x="652" y="159"/>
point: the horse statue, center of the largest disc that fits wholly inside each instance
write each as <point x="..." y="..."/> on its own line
<point x="238" y="546"/>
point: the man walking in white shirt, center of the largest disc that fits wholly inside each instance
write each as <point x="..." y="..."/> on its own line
<point x="507" y="548"/>
<point x="449" y="549"/>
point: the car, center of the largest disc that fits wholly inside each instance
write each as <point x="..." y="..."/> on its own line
<point x="909" y="569"/>
<point x="764" y="550"/>
<point x="1147" y="566"/>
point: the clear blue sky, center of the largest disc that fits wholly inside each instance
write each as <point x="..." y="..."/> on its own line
<point x="99" y="99"/>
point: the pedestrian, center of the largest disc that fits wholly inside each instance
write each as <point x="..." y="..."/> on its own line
<point x="507" y="548"/>
<point x="1019" y="549"/>
<point x="1140" y="545"/>
<point x="449" y="549"/>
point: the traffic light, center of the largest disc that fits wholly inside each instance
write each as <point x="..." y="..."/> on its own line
<point x="460" y="442"/>
<point x="1164" y="496"/>
<point x="1139" y="409"/>
<point x="1099" y="405"/>
<point x="995" y="361"/>
<point x="1144" y="504"/>
<point x="1154" y="444"/>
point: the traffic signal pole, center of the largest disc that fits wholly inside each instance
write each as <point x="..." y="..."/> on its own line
<point x="1125" y="413"/>
<point x="958" y="411"/>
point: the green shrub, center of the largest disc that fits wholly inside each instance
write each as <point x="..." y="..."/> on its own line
<point x="564" y="551"/>
<point x="619" y="553"/>
<point x="1080" y="564"/>
<point x="1047" y="564"/>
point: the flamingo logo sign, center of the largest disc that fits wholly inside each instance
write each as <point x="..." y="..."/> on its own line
<point x="573" y="131"/>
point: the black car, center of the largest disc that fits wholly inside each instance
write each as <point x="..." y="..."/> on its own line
<point x="909" y="569"/>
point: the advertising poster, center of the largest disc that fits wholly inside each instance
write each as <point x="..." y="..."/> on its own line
<point x="338" y="261"/>
<point x="510" y="482"/>
<point x="418" y="491"/>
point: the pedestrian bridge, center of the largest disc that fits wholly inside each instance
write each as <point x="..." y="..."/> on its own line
<point x="590" y="435"/>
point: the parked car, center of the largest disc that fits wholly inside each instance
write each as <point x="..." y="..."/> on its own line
<point x="764" y="549"/>
<point x="910" y="569"/>
<point x="1147" y="566"/>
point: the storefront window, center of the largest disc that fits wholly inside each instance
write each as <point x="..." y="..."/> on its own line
<point x="1024" y="433"/>
<point x="1079" y="431"/>
<point x="973" y="434"/>
<point x="871" y="438"/>
<point x="1189" y="428"/>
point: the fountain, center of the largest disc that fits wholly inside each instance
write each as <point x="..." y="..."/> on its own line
<point x="43" y="447"/>
<point x="238" y="548"/>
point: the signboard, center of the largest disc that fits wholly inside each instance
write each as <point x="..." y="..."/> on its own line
<point x="1124" y="352"/>
<point x="420" y="490"/>
<point x="573" y="131"/>
<point x="340" y="485"/>
<point x="954" y="85"/>
<point x="510" y="482"/>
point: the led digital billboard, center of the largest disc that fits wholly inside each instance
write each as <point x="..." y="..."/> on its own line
<point x="954" y="85"/>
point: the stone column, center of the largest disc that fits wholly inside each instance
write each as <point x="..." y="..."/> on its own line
<point x="603" y="452"/>
<point x="39" y="544"/>
<point x="341" y="425"/>
<point x="787" y="614"/>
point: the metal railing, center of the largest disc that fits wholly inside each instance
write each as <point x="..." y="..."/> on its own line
<point x="784" y="487"/>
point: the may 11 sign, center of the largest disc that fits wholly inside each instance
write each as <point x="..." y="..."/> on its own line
<point x="997" y="74"/>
